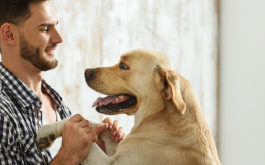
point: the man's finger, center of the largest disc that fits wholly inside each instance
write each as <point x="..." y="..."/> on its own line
<point x="120" y="135"/>
<point x="88" y="129"/>
<point x="93" y="136"/>
<point x="84" y="123"/>
<point x="114" y="129"/>
<point x="76" y="118"/>
<point x="100" y="129"/>
<point x="108" y="120"/>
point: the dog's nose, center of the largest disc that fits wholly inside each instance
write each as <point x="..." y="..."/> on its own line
<point x="89" y="74"/>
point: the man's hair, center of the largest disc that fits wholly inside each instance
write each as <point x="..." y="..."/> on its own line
<point x="15" y="11"/>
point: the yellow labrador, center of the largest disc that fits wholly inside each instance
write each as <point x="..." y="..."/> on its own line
<point x="169" y="125"/>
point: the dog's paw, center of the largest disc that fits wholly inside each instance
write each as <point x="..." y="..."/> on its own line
<point x="46" y="136"/>
<point x="45" y="142"/>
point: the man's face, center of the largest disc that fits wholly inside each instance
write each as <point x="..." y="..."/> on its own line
<point x="34" y="56"/>
<point x="39" y="37"/>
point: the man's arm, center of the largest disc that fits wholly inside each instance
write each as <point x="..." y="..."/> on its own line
<point x="9" y="153"/>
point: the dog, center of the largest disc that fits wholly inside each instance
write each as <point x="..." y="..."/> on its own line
<point x="169" y="126"/>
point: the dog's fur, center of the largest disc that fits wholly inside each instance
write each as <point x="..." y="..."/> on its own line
<point x="169" y="125"/>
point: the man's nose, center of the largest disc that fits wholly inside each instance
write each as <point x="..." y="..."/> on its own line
<point x="56" y="37"/>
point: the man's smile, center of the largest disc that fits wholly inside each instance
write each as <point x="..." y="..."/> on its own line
<point x="51" y="50"/>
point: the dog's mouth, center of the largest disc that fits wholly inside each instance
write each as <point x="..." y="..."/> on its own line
<point x="114" y="103"/>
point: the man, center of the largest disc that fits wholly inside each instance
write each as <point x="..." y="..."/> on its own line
<point x="28" y="38"/>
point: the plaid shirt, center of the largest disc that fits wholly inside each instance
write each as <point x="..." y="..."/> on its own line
<point x="20" y="119"/>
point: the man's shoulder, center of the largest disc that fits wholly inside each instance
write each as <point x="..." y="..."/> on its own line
<point x="6" y="104"/>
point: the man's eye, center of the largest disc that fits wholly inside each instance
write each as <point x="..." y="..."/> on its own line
<point x="123" y="66"/>
<point x="44" y="29"/>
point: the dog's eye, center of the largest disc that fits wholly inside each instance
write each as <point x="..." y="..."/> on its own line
<point x="123" y="66"/>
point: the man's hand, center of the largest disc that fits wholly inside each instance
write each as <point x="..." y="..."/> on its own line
<point x="76" y="138"/>
<point x="116" y="132"/>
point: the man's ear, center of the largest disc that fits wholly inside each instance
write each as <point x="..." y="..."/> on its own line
<point x="170" y="88"/>
<point x="7" y="33"/>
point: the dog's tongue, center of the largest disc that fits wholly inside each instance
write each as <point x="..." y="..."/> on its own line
<point x="109" y="99"/>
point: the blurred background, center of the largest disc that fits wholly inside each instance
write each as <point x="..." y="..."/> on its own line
<point x="218" y="45"/>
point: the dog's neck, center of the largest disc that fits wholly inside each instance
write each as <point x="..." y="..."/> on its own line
<point x="148" y="109"/>
<point x="193" y="108"/>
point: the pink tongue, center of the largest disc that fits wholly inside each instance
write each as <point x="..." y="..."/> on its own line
<point x="103" y="101"/>
<point x="109" y="99"/>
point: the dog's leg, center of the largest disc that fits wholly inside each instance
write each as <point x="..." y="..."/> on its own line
<point x="96" y="156"/>
<point x="48" y="133"/>
<point x="110" y="145"/>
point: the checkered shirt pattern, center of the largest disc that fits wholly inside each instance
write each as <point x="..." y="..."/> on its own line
<point x="21" y="118"/>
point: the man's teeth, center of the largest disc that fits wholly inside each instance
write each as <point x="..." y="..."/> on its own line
<point x="51" y="51"/>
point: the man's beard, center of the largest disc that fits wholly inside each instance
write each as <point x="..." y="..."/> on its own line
<point x="33" y="55"/>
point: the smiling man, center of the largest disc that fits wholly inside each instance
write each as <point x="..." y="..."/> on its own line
<point x="28" y="39"/>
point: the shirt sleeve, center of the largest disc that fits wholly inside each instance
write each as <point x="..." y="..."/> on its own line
<point x="10" y="154"/>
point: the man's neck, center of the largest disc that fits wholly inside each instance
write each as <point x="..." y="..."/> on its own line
<point x="27" y="73"/>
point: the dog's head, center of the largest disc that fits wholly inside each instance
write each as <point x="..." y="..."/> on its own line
<point x="139" y="77"/>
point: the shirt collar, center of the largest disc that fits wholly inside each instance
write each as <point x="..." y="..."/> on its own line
<point x="56" y="98"/>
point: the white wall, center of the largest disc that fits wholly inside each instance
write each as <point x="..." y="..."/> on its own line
<point x="242" y="82"/>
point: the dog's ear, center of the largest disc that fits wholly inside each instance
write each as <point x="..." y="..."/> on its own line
<point x="170" y="88"/>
